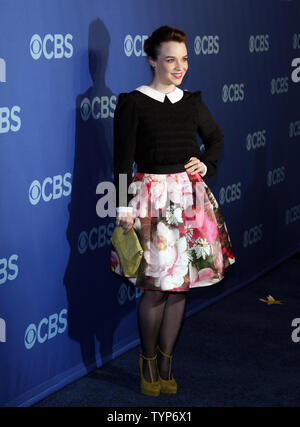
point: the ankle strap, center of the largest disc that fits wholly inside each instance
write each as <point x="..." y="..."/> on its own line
<point x="149" y="358"/>
<point x="165" y="354"/>
<point x="170" y="356"/>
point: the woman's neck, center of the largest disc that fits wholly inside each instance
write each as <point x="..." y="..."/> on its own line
<point x="162" y="87"/>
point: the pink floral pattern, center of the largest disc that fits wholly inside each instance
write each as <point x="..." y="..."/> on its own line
<point x="182" y="231"/>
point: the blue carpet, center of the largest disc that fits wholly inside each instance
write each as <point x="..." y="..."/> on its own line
<point x="236" y="352"/>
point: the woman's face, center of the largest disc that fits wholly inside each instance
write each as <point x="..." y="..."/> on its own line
<point x="171" y="64"/>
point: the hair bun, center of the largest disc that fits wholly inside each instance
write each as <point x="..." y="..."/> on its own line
<point x="162" y="34"/>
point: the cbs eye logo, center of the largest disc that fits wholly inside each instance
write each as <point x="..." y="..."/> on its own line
<point x="275" y="176"/>
<point x="259" y="43"/>
<point x="51" y="46"/>
<point x="57" y="187"/>
<point x="256" y="140"/>
<point x="233" y="92"/>
<point x="100" y="107"/>
<point x="279" y="85"/>
<point x="134" y="45"/>
<point x="126" y="293"/>
<point x="48" y="328"/>
<point x="206" y="45"/>
<point x="230" y="193"/>
<point x="85" y="109"/>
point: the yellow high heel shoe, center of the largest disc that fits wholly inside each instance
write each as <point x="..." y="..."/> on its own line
<point x="149" y="388"/>
<point x="168" y="386"/>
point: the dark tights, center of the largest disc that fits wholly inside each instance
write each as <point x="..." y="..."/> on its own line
<point x="160" y="318"/>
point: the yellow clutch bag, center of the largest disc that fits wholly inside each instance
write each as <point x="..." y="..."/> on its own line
<point x="129" y="250"/>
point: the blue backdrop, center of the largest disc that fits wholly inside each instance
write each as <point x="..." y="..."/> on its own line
<point x="62" y="66"/>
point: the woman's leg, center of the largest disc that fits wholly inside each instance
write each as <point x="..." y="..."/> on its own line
<point x="170" y="328"/>
<point x="150" y="314"/>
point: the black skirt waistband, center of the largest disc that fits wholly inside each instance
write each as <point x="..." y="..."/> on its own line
<point x="150" y="168"/>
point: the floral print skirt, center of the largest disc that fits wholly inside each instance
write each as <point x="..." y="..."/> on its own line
<point x="181" y="230"/>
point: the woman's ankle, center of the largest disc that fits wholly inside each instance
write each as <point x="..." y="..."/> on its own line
<point x="164" y="365"/>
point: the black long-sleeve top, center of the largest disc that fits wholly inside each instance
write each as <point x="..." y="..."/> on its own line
<point x="160" y="137"/>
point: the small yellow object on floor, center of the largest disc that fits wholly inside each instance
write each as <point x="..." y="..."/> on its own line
<point x="270" y="300"/>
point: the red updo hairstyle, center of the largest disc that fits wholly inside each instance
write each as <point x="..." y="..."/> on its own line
<point x="162" y="34"/>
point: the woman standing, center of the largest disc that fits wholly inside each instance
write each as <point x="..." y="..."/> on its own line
<point x="174" y="213"/>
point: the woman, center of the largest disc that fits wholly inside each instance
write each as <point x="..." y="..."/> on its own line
<point x="175" y="215"/>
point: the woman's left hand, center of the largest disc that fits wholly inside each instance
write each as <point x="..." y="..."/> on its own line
<point x="194" y="165"/>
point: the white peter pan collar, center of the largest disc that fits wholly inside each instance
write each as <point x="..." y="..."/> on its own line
<point x="174" y="96"/>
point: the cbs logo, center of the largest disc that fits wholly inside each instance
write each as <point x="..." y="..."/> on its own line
<point x="96" y="238"/>
<point x="296" y="41"/>
<point x="57" y="187"/>
<point x="9" y="119"/>
<point x="253" y="235"/>
<point x="233" y="92"/>
<point x="98" y="107"/>
<point x="128" y="293"/>
<point x="279" y="85"/>
<point x="51" y="46"/>
<point x="134" y="45"/>
<point x="8" y="268"/>
<point x="47" y="329"/>
<point x="276" y="176"/>
<point x="294" y="129"/>
<point x="206" y="45"/>
<point x="256" y="140"/>
<point x="292" y="214"/>
<point x="230" y="193"/>
<point x="259" y="43"/>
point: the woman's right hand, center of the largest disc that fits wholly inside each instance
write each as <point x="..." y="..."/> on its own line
<point x="125" y="220"/>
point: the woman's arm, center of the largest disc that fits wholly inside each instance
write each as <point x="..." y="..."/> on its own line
<point x="125" y="128"/>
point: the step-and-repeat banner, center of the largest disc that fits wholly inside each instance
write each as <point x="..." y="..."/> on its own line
<point x="62" y="66"/>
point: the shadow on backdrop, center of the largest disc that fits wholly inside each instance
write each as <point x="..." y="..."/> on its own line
<point x="93" y="309"/>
